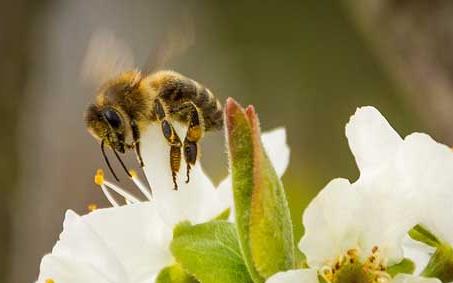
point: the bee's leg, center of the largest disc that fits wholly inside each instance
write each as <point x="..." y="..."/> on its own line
<point x="193" y="135"/>
<point x="136" y="138"/>
<point x="175" y="162"/>
<point x="190" y="155"/>
<point x="172" y="139"/>
<point x="175" y="149"/>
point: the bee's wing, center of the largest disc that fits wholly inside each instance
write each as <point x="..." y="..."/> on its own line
<point x="174" y="42"/>
<point x="106" y="57"/>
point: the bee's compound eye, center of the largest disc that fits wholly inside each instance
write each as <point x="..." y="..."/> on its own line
<point x="112" y="118"/>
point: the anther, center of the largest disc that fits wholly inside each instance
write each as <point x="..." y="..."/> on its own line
<point x="50" y="280"/>
<point x="92" y="207"/>
<point x="326" y="271"/>
<point x="99" y="177"/>
<point x="99" y="180"/>
<point x="133" y="173"/>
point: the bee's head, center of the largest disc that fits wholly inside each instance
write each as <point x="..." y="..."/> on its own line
<point x="107" y="124"/>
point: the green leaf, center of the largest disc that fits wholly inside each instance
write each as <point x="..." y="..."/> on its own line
<point x="210" y="252"/>
<point x="262" y="214"/>
<point x="440" y="264"/>
<point x="405" y="266"/>
<point x="301" y="259"/>
<point x="224" y="215"/>
<point x="421" y="234"/>
<point x="174" y="274"/>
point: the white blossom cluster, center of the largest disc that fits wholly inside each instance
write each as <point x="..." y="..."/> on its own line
<point x="354" y="229"/>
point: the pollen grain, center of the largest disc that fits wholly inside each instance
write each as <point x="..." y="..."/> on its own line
<point x="99" y="177"/>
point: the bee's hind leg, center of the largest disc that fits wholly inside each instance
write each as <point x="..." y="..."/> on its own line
<point x="193" y="135"/>
<point x="172" y="139"/>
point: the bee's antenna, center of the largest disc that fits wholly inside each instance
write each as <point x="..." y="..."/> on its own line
<point x="122" y="163"/>
<point x="107" y="161"/>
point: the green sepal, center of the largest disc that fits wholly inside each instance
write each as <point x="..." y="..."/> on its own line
<point x="405" y="266"/>
<point x="210" y="252"/>
<point x="440" y="264"/>
<point x="421" y="234"/>
<point x="261" y="209"/>
<point x="321" y="279"/>
<point x="175" y="274"/>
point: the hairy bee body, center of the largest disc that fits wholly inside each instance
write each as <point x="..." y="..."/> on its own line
<point x="176" y="90"/>
<point x="126" y="105"/>
<point x="135" y="95"/>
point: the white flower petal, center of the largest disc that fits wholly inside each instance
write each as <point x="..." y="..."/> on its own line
<point x="69" y="270"/>
<point x="371" y="138"/>
<point x="428" y="169"/>
<point x="418" y="252"/>
<point x="80" y="242"/>
<point x="136" y="235"/>
<point x="345" y="216"/>
<point x="195" y="201"/>
<point x="295" y="276"/>
<point x="331" y="223"/>
<point x="403" y="278"/>
<point x="274" y="143"/>
<point x="122" y="244"/>
<point x="386" y="213"/>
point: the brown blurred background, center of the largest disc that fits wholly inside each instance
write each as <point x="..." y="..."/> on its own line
<point x="304" y="64"/>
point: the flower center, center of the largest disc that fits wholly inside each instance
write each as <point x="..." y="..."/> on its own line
<point x="349" y="269"/>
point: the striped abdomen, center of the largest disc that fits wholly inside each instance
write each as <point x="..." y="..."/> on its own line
<point x="176" y="91"/>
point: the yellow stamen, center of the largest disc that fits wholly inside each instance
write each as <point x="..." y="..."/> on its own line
<point x="92" y="207"/>
<point x="50" y="280"/>
<point x="348" y="266"/>
<point x="133" y="173"/>
<point x="99" y="177"/>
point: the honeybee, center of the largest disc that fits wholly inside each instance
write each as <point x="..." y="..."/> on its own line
<point x="129" y="102"/>
<point x="126" y="105"/>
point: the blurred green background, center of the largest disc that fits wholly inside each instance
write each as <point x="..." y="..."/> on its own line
<point x="305" y="65"/>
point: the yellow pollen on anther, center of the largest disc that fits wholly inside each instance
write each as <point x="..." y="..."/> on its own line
<point x="349" y="265"/>
<point x="92" y="207"/>
<point x="50" y="280"/>
<point x="133" y="173"/>
<point x="99" y="177"/>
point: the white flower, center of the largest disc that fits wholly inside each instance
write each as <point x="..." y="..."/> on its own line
<point x="358" y="229"/>
<point x="310" y="276"/>
<point x="129" y="243"/>
<point x="423" y="166"/>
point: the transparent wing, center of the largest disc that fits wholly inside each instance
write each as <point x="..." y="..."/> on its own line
<point x="173" y="43"/>
<point x="106" y="57"/>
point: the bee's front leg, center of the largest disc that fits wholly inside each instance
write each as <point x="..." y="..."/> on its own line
<point x="136" y="142"/>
